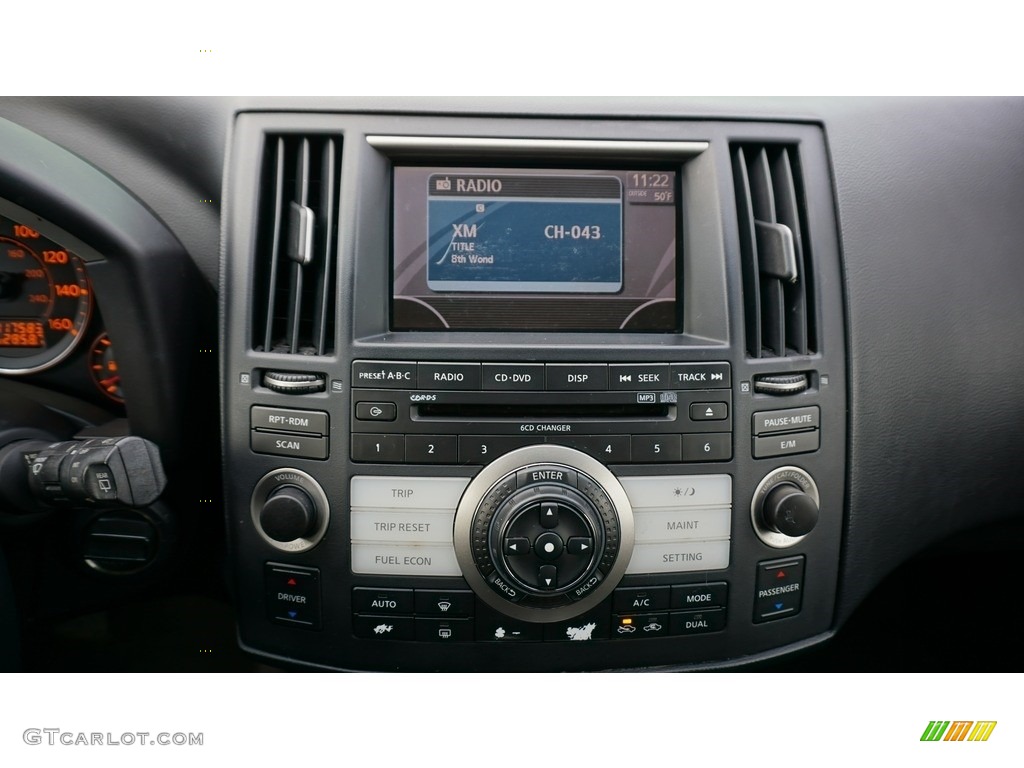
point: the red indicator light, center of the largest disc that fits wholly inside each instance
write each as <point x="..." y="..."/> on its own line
<point x="780" y="575"/>
<point x="292" y="582"/>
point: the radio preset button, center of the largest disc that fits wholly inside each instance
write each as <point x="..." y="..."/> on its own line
<point x="383" y="375"/>
<point x="701" y="376"/>
<point x="649" y="449"/>
<point x="376" y="411"/>
<point x="611" y="449"/>
<point x="386" y="449"/>
<point x="482" y="449"/>
<point x="578" y="378"/>
<point x="642" y="377"/>
<point x="707" y="447"/>
<point x="432" y="449"/>
<point x="510" y="376"/>
<point x="448" y="376"/>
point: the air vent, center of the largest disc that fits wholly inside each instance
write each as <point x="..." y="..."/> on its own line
<point x="293" y="298"/>
<point x="777" y="287"/>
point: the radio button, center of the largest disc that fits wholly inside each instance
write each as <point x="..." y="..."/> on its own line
<point x="386" y="449"/>
<point x="648" y="449"/>
<point x="448" y="376"/>
<point x="481" y="449"/>
<point x="432" y="449"/>
<point x="642" y="377"/>
<point x="513" y="377"/>
<point x="376" y="411"/>
<point x="611" y="449"/>
<point x="701" y="376"/>
<point x="383" y="375"/>
<point x="713" y="447"/>
<point x="577" y="378"/>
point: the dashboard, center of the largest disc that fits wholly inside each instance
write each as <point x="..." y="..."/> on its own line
<point x="511" y="384"/>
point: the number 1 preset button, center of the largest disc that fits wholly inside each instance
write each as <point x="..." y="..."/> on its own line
<point x="387" y="449"/>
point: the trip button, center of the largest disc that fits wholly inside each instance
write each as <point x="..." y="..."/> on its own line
<point x="376" y="411"/>
<point x="643" y="377"/>
<point x="448" y="376"/>
<point x="513" y="377"/>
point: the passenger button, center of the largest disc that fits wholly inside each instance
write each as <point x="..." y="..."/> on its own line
<point x="779" y="588"/>
<point x="448" y="376"/>
<point x="638" y="377"/>
<point x="513" y="377"/>
<point x="577" y="378"/>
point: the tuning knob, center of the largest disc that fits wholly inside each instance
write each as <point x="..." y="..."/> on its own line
<point x="785" y="506"/>
<point x="288" y="514"/>
<point x="790" y="511"/>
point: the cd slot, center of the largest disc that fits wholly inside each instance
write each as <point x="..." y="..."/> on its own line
<point x="529" y="411"/>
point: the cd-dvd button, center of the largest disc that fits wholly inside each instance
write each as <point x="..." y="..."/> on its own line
<point x="643" y="377"/>
<point x="513" y="377"/>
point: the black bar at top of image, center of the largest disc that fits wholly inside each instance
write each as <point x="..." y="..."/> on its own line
<point x="479" y="185"/>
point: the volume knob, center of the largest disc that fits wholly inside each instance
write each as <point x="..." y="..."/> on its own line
<point x="288" y="514"/>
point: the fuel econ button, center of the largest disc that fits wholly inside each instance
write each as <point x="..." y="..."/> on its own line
<point x="544" y="533"/>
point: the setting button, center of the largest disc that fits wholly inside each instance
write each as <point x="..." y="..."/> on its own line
<point x="513" y="377"/>
<point x="376" y="411"/>
<point x="643" y="377"/>
<point x="448" y="376"/>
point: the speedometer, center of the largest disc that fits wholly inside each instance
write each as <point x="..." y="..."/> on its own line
<point x="45" y="300"/>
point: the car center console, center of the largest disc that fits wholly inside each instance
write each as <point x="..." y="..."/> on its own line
<point x="531" y="394"/>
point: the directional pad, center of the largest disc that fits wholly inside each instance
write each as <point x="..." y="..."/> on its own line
<point x="548" y="546"/>
<point x="549" y="515"/>
<point x="579" y="545"/>
<point x="547" y="577"/>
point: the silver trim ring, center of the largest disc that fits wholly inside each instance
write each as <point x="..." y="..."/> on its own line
<point x="281" y="477"/>
<point x="794" y="475"/>
<point x="509" y="464"/>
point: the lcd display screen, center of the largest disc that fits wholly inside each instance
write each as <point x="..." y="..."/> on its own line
<point x="534" y="249"/>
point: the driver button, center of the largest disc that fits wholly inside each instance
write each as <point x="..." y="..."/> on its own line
<point x="548" y="546"/>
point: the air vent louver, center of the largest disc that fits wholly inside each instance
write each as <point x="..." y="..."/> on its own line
<point x="777" y="286"/>
<point x="294" y="292"/>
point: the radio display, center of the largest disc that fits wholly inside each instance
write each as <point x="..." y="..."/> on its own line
<point x="534" y="249"/>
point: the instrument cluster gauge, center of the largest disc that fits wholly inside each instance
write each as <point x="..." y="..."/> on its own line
<point x="103" y="368"/>
<point x="45" y="300"/>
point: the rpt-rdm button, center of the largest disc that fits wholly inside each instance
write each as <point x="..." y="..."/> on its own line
<point x="288" y="420"/>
